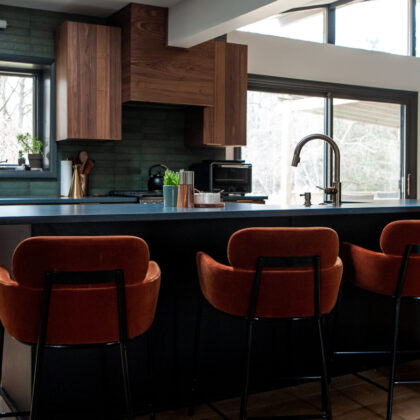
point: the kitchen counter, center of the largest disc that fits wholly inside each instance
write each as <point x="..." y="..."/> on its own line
<point x="174" y="237"/>
<point x="63" y="213"/>
<point x="10" y="201"/>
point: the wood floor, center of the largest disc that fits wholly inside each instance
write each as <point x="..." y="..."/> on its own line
<point x="352" y="399"/>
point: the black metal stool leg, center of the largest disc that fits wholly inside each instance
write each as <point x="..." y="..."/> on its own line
<point x="152" y="380"/>
<point x="40" y="348"/>
<point x="335" y="323"/>
<point x="37" y="381"/>
<point x="246" y="369"/>
<point x="126" y="380"/>
<point x="326" y="401"/>
<point x="122" y="325"/>
<point x="1" y="349"/>
<point x="394" y="359"/>
<point x="195" y="356"/>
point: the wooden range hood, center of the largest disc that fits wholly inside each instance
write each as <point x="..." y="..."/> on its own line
<point x="210" y="77"/>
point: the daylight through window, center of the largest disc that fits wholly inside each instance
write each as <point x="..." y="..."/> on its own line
<point x="17" y="112"/>
<point x="368" y="134"/>
<point x="376" y="25"/>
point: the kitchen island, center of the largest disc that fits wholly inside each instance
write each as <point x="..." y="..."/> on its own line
<point x="174" y="236"/>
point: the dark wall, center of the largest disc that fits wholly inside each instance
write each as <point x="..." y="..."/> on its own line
<point x="150" y="135"/>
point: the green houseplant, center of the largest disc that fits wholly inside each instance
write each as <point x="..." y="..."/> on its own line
<point x="33" y="147"/>
<point x="21" y="158"/>
<point x="170" y="188"/>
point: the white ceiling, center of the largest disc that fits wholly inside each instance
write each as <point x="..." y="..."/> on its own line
<point x="100" y="8"/>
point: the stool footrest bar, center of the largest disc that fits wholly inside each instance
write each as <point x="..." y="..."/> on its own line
<point x="413" y="382"/>
<point x="353" y="353"/>
<point x="295" y="417"/>
<point x="217" y="411"/>
<point x="14" y="412"/>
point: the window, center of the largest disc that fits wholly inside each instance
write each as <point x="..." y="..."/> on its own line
<point x="306" y="25"/>
<point x="375" y="130"/>
<point x="378" y="25"/>
<point x="17" y="112"/>
<point x="275" y="122"/>
<point x="370" y="139"/>
<point x="26" y="106"/>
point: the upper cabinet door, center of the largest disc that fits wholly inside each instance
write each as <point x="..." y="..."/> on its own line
<point x="88" y="82"/>
<point x="154" y="72"/>
<point x="224" y="124"/>
<point x="231" y="83"/>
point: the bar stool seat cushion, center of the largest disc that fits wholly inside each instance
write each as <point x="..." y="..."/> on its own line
<point x="284" y="292"/>
<point x="79" y="314"/>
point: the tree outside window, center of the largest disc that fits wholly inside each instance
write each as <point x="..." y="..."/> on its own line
<point x="17" y="112"/>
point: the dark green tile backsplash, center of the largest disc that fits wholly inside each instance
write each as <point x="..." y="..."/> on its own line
<point x="150" y="135"/>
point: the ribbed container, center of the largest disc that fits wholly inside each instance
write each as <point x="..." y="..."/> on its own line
<point x="66" y="173"/>
<point x="186" y="189"/>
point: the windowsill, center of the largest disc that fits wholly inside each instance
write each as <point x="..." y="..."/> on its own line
<point x="13" y="174"/>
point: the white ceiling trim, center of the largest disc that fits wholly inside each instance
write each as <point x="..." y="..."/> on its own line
<point x="191" y="22"/>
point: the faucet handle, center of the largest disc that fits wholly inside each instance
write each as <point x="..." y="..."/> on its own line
<point x="307" y="196"/>
<point x="328" y="190"/>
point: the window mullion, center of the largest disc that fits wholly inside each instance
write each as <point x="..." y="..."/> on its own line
<point x="330" y="25"/>
<point x="411" y="27"/>
<point x="404" y="191"/>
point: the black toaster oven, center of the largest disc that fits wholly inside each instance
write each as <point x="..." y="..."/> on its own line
<point x="229" y="176"/>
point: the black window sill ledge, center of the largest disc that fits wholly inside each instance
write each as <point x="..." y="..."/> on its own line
<point x="13" y="174"/>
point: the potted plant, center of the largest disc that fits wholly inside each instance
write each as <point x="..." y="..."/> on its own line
<point x="170" y="188"/>
<point x="21" y="158"/>
<point x="33" y="147"/>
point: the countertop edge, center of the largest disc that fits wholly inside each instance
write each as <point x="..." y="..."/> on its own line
<point x="80" y="213"/>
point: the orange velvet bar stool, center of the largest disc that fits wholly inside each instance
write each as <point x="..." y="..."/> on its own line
<point x="394" y="272"/>
<point x="78" y="291"/>
<point x="274" y="273"/>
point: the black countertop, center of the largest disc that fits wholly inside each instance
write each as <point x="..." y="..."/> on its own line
<point x="64" y="213"/>
<point x="10" y="201"/>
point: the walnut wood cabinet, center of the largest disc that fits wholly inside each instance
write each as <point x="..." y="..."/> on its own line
<point x="211" y="77"/>
<point x="88" y="82"/>
<point x="224" y="124"/>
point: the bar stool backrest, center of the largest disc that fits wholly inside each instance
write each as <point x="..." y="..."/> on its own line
<point x="246" y="245"/>
<point x="397" y="235"/>
<point x="79" y="313"/>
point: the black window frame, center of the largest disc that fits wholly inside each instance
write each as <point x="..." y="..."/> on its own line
<point x="408" y="99"/>
<point x="43" y="70"/>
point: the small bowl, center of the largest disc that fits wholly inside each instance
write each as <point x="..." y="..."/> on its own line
<point x="206" y="198"/>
